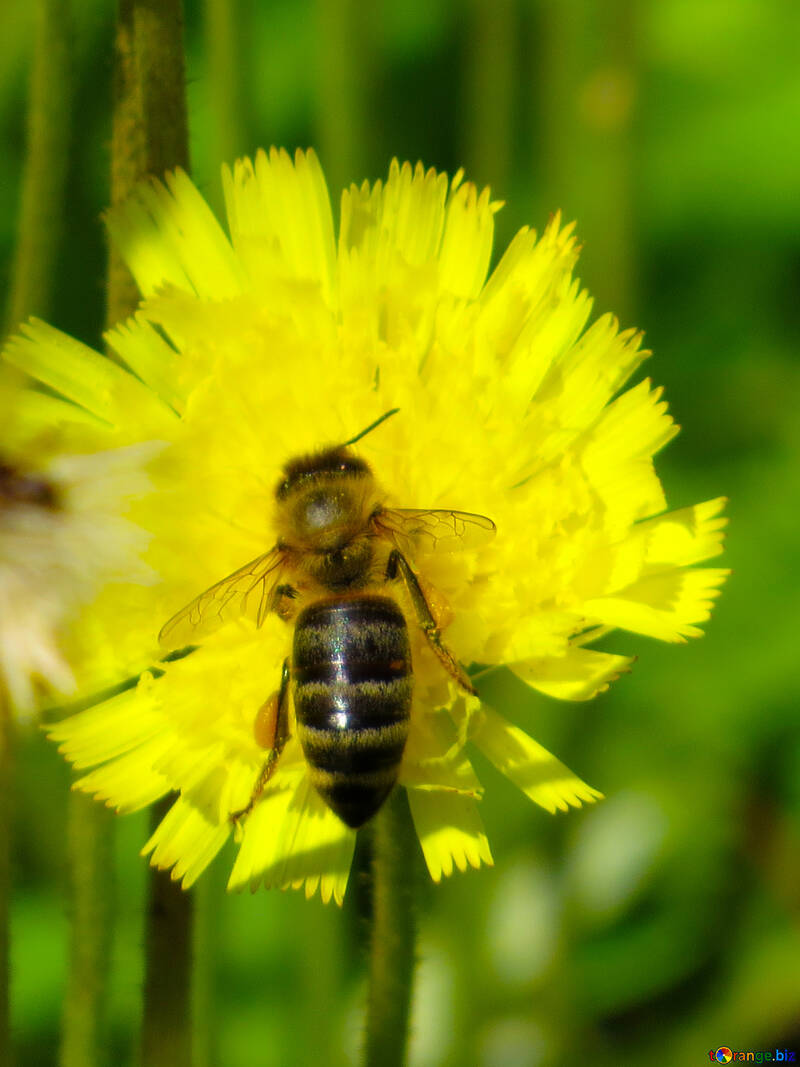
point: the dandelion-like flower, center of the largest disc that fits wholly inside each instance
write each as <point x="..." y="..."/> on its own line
<point x="62" y="537"/>
<point x="286" y="338"/>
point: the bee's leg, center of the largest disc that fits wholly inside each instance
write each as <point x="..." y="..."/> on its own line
<point x="271" y="730"/>
<point x="399" y="567"/>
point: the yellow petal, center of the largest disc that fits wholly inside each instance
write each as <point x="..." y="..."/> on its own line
<point x="280" y="219"/>
<point x="618" y="455"/>
<point x="292" y="839"/>
<point x="130" y="782"/>
<point x="185" y="841"/>
<point x="466" y="241"/>
<point x="149" y="356"/>
<point x="410" y="214"/>
<point x="579" y="675"/>
<point x="683" y="537"/>
<point x="530" y="312"/>
<point x="83" y="376"/>
<point x="450" y="831"/>
<point x="434" y="757"/>
<point x="591" y="371"/>
<point x="667" y="606"/>
<point x="168" y="235"/>
<point x="532" y="768"/>
<point x="108" y="730"/>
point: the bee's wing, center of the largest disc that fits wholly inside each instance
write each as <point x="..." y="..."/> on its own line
<point x="445" y="531"/>
<point x="246" y="591"/>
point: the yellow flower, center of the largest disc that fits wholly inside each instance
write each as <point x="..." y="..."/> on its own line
<point x="286" y="338"/>
<point x="61" y="537"/>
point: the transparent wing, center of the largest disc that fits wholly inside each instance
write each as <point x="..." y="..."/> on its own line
<point x="247" y="591"/>
<point x="445" y="531"/>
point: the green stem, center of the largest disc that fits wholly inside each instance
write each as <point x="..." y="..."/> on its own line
<point x="41" y="201"/>
<point x="392" y="954"/>
<point x="150" y="136"/>
<point x="205" y="951"/>
<point x="166" y="1023"/>
<point x="149" y="133"/>
<point x="6" y="811"/>
<point x="91" y="852"/>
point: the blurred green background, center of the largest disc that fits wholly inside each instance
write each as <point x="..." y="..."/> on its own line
<point x="665" y="921"/>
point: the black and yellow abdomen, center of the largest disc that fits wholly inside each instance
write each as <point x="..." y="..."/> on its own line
<point x="351" y="669"/>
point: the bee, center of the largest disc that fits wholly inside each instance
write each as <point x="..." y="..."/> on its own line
<point x="333" y="574"/>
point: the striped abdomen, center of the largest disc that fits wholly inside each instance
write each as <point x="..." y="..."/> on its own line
<point x="351" y="668"/>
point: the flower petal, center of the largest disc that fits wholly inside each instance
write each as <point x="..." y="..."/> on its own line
<point x="146" y="352"/>
<point x="532" y="768"/>
<point x="579" y="675"/>
<point x="132" y="781"/>
<point x="667" y="606"/>
<point x="435" y="759"/>
<point x="617" y="457"/>
<point x="280" y="219"/>
<point x="591" y="371"/>
<point x="681" y="538"/>
<point x="186" y="841"/>
<point x="292" y="839"/>
<point x="450" y="831"/>
<point x="168" y="235"/>
<point x="107" y="730"/>
<point x="84" y="376"/>
<point x="466" y="241"/>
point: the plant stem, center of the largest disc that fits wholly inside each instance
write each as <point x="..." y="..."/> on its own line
<point x="90" y="830"/>
<point x="149" y="133"/>
<point x="6" y="832"/>
<point x="166" y="1023"/>
<point x="205" y="951"/>
<point x="44" y="173"/>
<point x="392" y="954"/>
<point x="150" y="136"/>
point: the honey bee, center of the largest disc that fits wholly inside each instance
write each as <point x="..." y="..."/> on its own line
<point x="339" y="552"/>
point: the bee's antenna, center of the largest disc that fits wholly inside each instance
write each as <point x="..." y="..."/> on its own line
<point x="371" y="427"/>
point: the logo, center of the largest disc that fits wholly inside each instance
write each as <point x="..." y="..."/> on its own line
<point x="725" y="1055"/>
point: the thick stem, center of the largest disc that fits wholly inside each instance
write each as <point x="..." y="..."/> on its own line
<point x="149" y="132"/>
<point x="167" y="1024"/>
<point x="205" y="951"/>
<point x="6" y="810"/>
<point x="43" y="177"/>
<point x="150" y="136"/>
<point x="91" y="853"/>
<point x="392" y="953"/>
